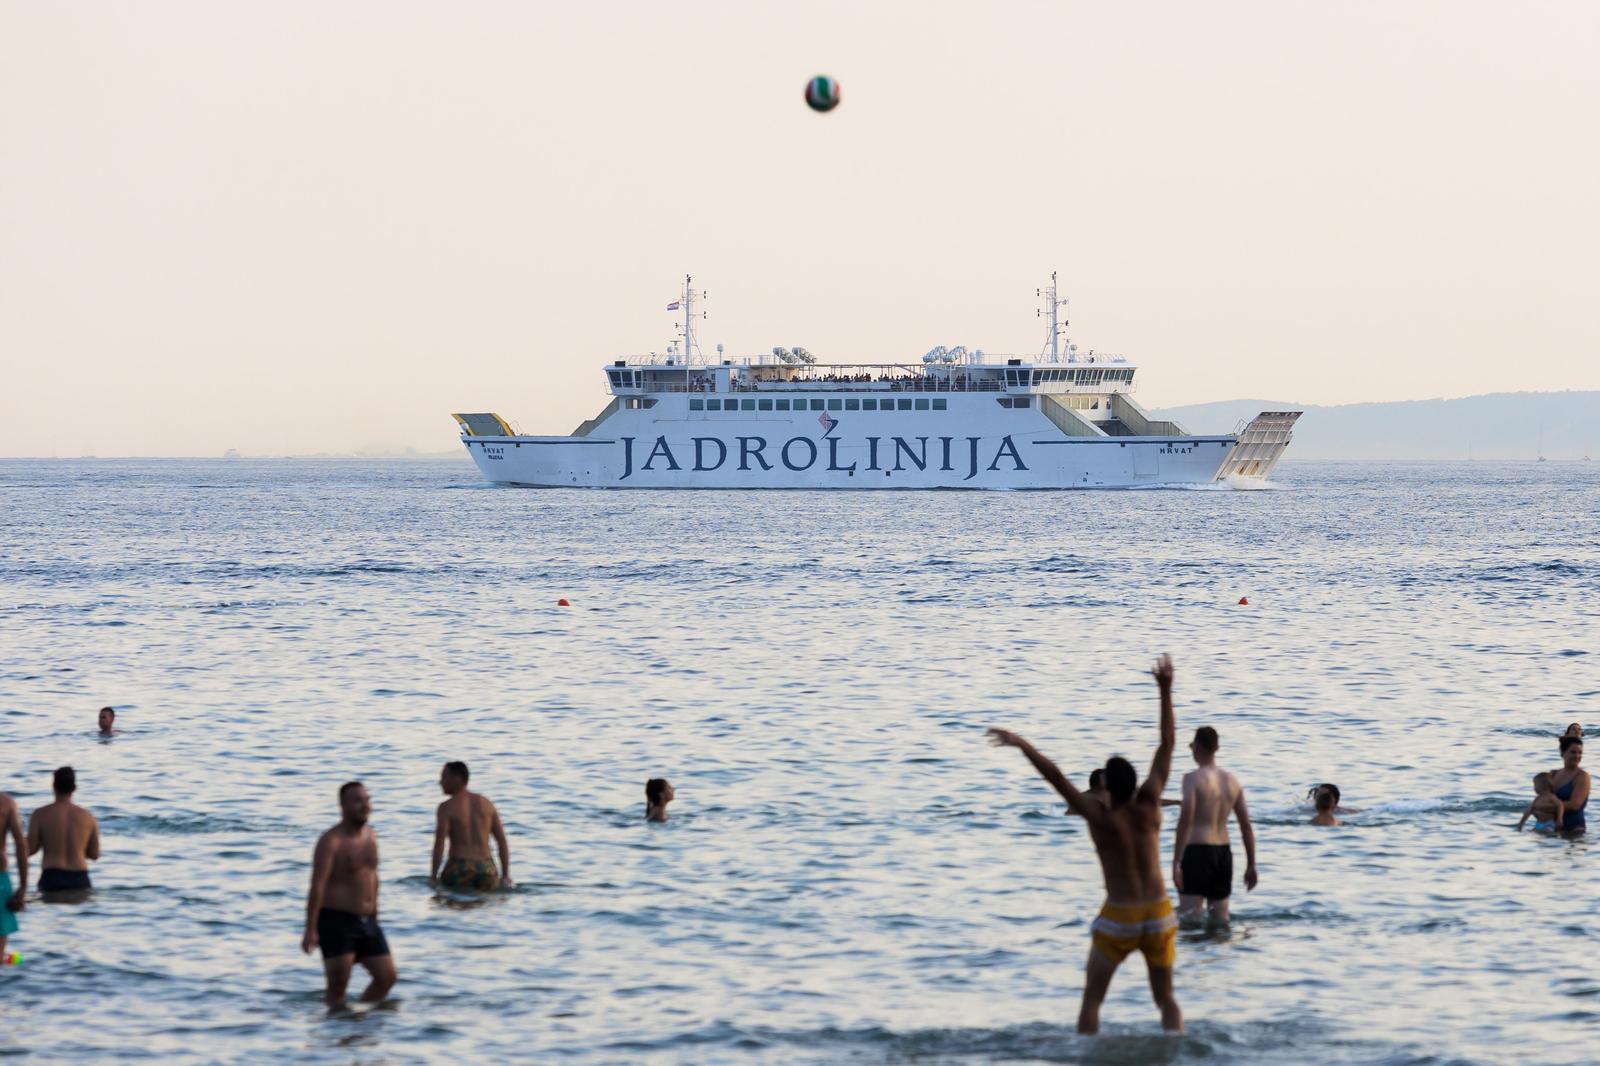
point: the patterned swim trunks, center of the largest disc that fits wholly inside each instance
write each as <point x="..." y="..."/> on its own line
<point x="1148" y="927"/>
<point x="470" y="875"/>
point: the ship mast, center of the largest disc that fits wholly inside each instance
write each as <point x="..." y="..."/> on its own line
<point x="690" y="345"/>
<point x="1050" y="312"/>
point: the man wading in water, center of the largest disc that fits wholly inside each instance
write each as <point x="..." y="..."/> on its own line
<point x="1126" y="828"/>
<point x="342" y="906"/>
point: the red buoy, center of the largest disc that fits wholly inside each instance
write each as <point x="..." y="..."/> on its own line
<point x="1244" y="601"/>
<point x="562" y="602"/>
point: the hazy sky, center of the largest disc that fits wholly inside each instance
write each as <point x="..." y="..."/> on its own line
<point x="301" y="227"/>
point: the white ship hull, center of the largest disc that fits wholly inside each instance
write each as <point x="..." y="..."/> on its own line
<point x="972" y="444"/>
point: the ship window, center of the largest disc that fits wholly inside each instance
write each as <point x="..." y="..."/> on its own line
<point x="698" y="405"/>
<point x="922" y="405"/>
<point x="616" y="380"/>
<point x="833" y="405"/>
<point x="939" y="405"/>
<point x="852" y="405"/>
<point x="764" y="405"/>
<point x="1022" y="401"/>
<point x="747" y="405"/>
<point x="816" y="405"/>
<point x="783" y="405"/>
<point x="869" y="404"/>
<point x="905" y="405"/>
<point x="714" y="405"/>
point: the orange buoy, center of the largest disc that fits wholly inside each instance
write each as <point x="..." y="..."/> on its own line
<point x="1244" y="601"/>
<point x="562" y="602"/>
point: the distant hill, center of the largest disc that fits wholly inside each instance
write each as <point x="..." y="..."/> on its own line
<point x="1505" y="425"/>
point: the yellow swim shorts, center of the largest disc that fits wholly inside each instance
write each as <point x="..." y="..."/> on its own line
<point x="1150" y="927"/>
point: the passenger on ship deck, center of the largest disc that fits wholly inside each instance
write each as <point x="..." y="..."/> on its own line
<point x="467" y="820"/>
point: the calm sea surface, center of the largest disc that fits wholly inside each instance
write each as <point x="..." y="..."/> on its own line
<point x="851" y="874"/>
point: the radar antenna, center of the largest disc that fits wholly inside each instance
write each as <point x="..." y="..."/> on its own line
<point x="1052" y="305"/>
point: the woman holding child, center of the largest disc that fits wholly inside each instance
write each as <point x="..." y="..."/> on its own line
<point x="1571" y="785"/>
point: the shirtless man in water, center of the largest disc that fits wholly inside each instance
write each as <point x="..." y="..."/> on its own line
<point x="342" y="906"/>
<point x="1126" y="828"/>
<point x="1202" y="860"/>
<point x="11" y="900"/>
<point x="467" y="820"/>
<point x="69" y="837"/>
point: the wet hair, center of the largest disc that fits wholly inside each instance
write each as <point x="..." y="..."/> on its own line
<point x="345" y="788"/>
<point x="66" y="781"/>
<point x="1097" y="779"/>
<point x="1121" y="780"/>
<point x="459" y="769"/>
<point x="1567" y="742"/>
<point x="654" y="789"/>
<point x="1543" y="781"/>
<point x="1205" y="739"/>
<point x="112" y="711"/>
<point x="1316" y="792"/>
<point x="1574" y="730"/>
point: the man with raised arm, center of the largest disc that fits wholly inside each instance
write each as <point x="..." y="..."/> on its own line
<point x="1202" y="860"/>
<point x="342" y="906"/>
<point x="1126" y="828"/>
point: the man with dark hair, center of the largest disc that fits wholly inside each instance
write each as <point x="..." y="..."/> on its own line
<point x="69" y="837"/>
<point x="1126" y="828"/>
<point x="658" y="792"/>
<point x="342" y="905"/>
<point x="107" y="720"/>
<point x="1202" y="860"/>
<point x="12" y="899"/>
<point x="467" y="820"/>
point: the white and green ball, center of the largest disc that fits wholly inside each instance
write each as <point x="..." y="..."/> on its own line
<point x="822" y="93"/>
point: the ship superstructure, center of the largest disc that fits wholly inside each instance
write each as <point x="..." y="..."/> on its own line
<point x="955" y="418"/>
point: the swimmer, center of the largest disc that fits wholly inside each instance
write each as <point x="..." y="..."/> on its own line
<point x="1546" y="809"/>
<point x="1572" y="785"/>
<point x="11" y="901"/>
<point x="69" y="837"/>
<point x="1315" y="795"/>
<point x="1097" y="791"/>
<point x="1126" y="829"/>
<point x="467" y="820"/>
<point x="1574" y="730"/>
<point x="1202" y="857"/>
<point x="658" y="792"/>
<point x="107" y="721"/>
<point x="1326" y="798"/>
<point x="342" y="904"/>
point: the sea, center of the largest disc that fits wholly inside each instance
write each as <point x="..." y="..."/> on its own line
<point x="851" y="874"/>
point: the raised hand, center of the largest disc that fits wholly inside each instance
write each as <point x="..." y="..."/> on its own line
<point x="1004" y="738"/>
<point x="1162" y="672"/>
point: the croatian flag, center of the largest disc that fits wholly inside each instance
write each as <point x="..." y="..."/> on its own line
<point x="673" y="306"/>
<point x="828" y="422"/>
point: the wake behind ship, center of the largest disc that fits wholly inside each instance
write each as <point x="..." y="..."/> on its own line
<point x="954" y="419"/>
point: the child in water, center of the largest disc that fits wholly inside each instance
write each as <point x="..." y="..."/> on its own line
<point x="1547" y="809"/>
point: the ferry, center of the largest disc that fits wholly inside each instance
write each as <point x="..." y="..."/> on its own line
<point x="954" y="419"/>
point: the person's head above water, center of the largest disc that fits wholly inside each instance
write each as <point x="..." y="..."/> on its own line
<point x="1542" y="782"/>
<point x="1571" y="752"/>
<point x="453" y="778"/>
<point x="65" y="781"/>
<point x="1574" y="730"/>
<point x="108" y="718"/>
<point x="1326" y="796"/>
<point x="658" y="792"/>
<point x="1121" y="780"/>
<point x="1097" y="780"/>
<point x="1204" y="745"/>
<point x="354" y="803"/>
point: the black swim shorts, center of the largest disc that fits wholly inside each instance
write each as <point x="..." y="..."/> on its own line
<point x="53" y="880"/>
<point x="343" y="933"/>
<point x="1207" y="871"/>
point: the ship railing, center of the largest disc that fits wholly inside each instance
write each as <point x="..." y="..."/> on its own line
<point x="801" y="385"/>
